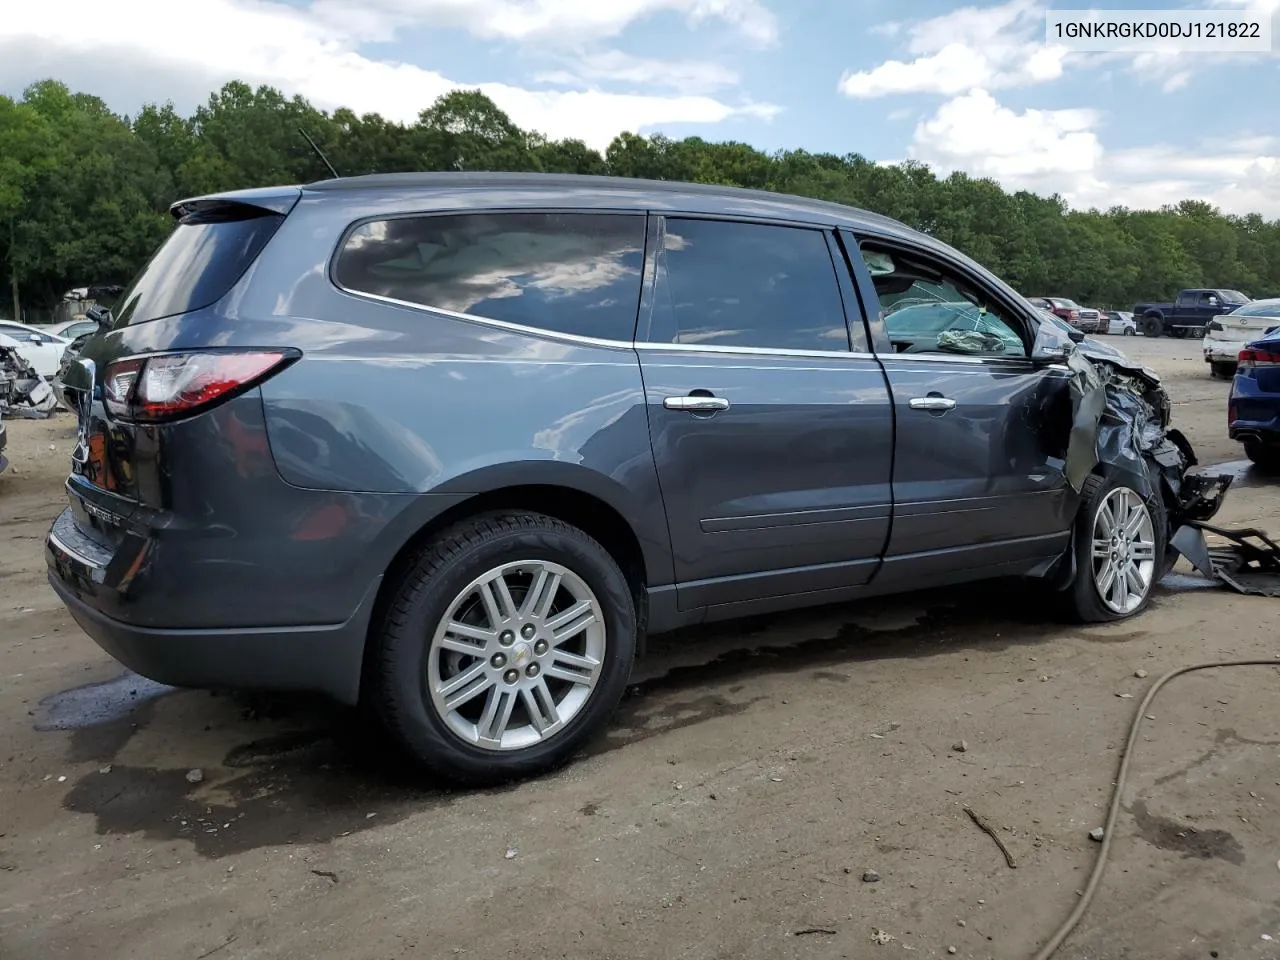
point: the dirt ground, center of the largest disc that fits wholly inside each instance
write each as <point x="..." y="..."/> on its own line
<point x="754" y="774"/>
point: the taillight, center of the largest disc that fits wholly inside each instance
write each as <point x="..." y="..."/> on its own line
<point x="1252" y="357"/>
<point x="175" y="385"/>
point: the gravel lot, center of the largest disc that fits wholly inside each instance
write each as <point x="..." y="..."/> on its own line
<point x="754" y="774"/>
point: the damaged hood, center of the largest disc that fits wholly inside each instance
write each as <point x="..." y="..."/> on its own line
<point x="1100" y="352"/>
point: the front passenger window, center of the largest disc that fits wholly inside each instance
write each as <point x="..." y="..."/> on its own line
<point x="928" y="309"/>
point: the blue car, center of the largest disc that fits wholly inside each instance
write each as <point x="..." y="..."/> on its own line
<point x="1253" y="410"/>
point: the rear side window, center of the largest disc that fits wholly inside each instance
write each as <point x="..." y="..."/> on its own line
<point x="748" y="285"/>
<point x="574" y="273"/>
<point x="203" y="258"/>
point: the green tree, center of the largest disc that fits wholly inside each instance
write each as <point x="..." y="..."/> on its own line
<point x="84" y="193"/>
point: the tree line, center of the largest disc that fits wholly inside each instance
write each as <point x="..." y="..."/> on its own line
<point x="84" y="191"/>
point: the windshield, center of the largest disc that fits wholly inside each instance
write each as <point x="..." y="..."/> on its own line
<point x="1258" y="308"/>
<point x="1233" y="296"/>
<point x="1065" y="304"/>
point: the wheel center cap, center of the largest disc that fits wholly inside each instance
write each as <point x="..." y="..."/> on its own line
<point x="521" y="654"/>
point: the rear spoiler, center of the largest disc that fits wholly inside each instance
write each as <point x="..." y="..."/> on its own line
<point x="279" y="200"/>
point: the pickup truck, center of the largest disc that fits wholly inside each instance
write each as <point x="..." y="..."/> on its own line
<point x="1189" y="314"/>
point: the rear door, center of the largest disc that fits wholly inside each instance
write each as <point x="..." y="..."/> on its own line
<point x="1186" y="308"/>
<point x="772" y="429"/>
<point x="978" y="484"/>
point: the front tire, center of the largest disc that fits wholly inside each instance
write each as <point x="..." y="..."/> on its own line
<point x="506" y="647"/>
<point x="1120" y="543"/>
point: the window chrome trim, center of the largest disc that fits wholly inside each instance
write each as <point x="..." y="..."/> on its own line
<point x="950" y="358"/>
<point x="751" y="351"/>
<point x="504" y="325"/>
<point x="580" y="340"/>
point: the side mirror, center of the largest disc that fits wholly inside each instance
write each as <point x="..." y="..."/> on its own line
<point x="1052" y="345"/>
<point x="35" y="338"/>
<point x="1213" y="301"/>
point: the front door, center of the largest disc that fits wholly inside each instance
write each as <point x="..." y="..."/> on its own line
<point x="772" y="430"/>
<point x="978" y="479"/>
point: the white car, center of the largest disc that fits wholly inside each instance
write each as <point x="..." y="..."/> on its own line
<point x="69" y="329"/>
<point x="40" y="349"/>
<point x="1122" y="323"/>
<point x="1229" y="333"/>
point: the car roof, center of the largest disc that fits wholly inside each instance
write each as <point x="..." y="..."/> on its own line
<point x="627" y="192"/>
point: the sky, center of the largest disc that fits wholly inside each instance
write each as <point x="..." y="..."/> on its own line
<point x="959" y="87"/>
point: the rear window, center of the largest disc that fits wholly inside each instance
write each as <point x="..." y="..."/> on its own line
<point x="203" y="258"/>
<point x="1259" y="308"/>
<point x="574" y="273"/>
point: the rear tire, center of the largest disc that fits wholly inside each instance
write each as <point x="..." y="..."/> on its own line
<point x="1222" y="369"/>
<point x="472" y="675"/>
<point x="1136" y="557"/>
<point x="1265" y="458"/>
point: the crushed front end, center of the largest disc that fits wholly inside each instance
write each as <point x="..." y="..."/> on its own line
<point x="1122" y="417"/>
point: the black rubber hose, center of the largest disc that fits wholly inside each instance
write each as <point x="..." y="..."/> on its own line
<point x="1095" y="879"/>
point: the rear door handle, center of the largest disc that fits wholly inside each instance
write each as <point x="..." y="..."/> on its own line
<point x="696" y="404"/>
<point x="932" y="403"/>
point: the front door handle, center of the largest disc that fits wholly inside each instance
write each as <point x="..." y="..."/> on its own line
<point x="696" y="404"/>
<point x="932" y="403"/>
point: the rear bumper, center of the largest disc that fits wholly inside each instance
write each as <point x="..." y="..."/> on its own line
<point x="325" y="658"/>
<point x="1220" y="351"/>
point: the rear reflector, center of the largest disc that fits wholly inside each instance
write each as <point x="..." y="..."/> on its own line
<point x="176" y="385"/>
<point x="1253" y="357"/>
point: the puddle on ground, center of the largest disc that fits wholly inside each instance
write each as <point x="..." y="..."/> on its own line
<point x="95" y="704"/>
<point x="1245" y="472"/>
<point x="1189" y="581"/>
<point x="1184" y="838"/>
<point x="301" y="770"/>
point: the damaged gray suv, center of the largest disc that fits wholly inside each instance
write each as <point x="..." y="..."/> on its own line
<point x="452" y="445"/>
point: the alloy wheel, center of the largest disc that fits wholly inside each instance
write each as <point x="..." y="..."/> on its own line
<point x="1124" y="550"/>
<point x="517" y="655"/>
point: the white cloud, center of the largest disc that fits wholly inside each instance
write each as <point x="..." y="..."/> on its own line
<point x="543" y="21"/>
<point x="1059" y="151"/>
<point x="147" y="50"/>
<point x="1003" y="46"/>
<point x="691" y="76"/>
<point x="988" y="47"/>
<point x="975" y="133"/>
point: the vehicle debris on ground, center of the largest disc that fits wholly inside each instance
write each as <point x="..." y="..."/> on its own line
<point x="23" y="392"/>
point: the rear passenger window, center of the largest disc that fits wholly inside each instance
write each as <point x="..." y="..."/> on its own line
<point x="564" y="272"/>
<point x="747" y="285"/>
